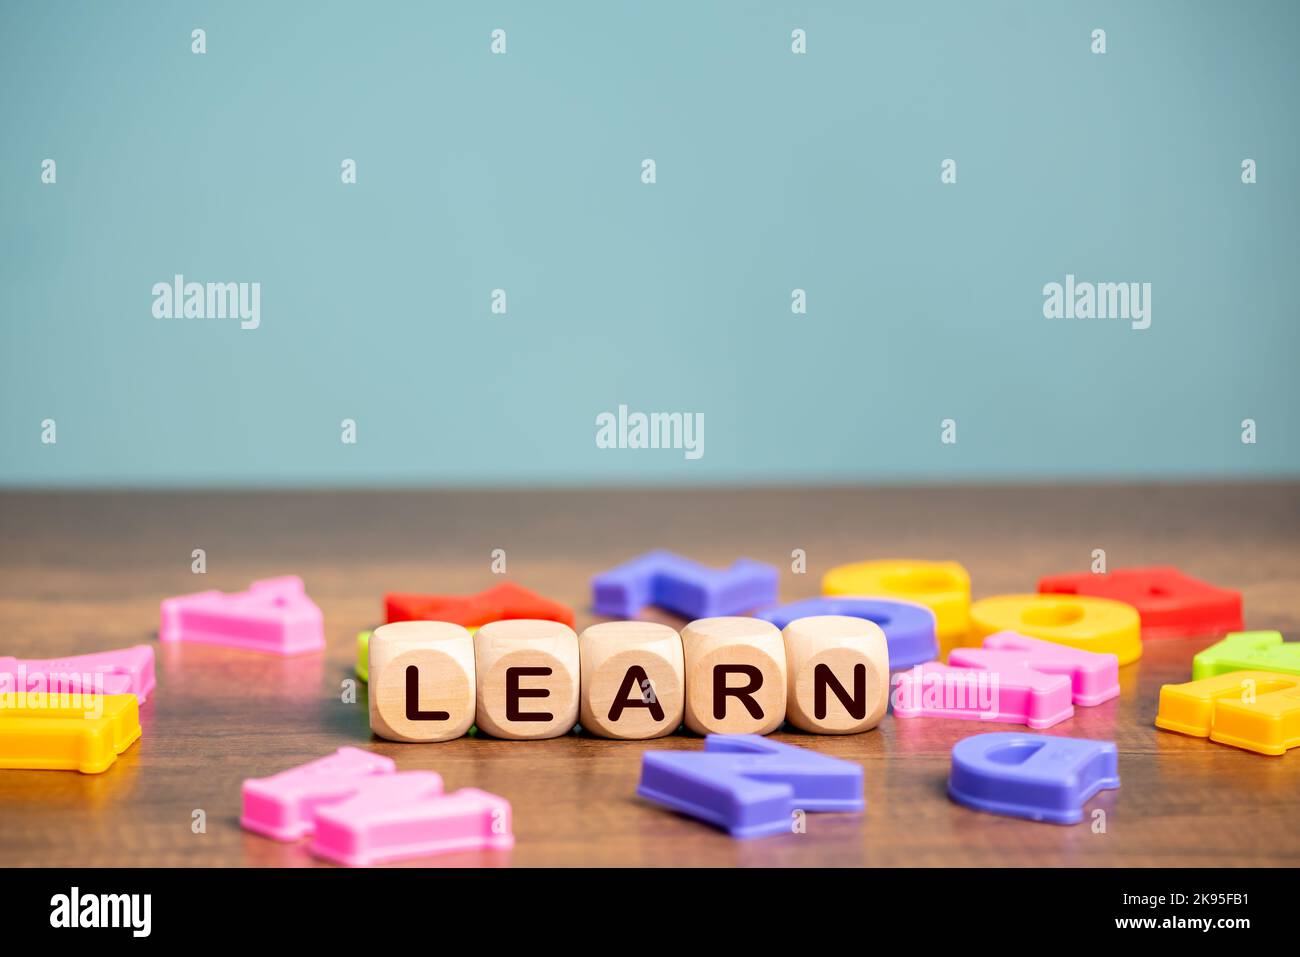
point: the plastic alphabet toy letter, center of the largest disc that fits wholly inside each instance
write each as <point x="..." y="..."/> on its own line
<point x="1094" y="678"/>
<point x="501" y="603"/>
<point x="407" y="815"/>
<point x="124" y="671"/>
<point x="909" y="627"/>
<point x="943" y="587"/>
<point x="361" y="811"/>
<point x="1248" y="651"/>
<point x="1090" y="624"/>
<point x="749" y="786"/>
<point x="274" y="616"/>
<point x="363" y="655"/>
<point x="1009" y="692"/>
<point x="1040" y="777"/>
<point x="73" y="732"/>
<point x="1170" y="603"/>
<point x="1255" y="710"/>
<point x="683" y="587"/>
<point x="283" y="806"/>
<point x="1012" y="678"/>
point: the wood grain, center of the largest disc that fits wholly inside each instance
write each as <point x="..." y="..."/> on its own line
<point x="85" y="572"/>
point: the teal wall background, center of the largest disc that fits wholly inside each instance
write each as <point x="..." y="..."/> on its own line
<point x="522" y="172"/>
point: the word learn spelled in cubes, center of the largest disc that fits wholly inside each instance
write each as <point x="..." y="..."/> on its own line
<point x="528" y="679"/>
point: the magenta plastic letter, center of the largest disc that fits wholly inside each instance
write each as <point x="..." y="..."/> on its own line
<point x="1094" y="677"/>
<point x="1009" y="692"/>
<point x="406" y="815"/>
<point x="274" y="616"/>
<point x="283" y="807"/>
<point x="123" y="671"/>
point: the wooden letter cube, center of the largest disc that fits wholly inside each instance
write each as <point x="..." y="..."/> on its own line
<point x="735" y="676"/>
<point x="527" y="678"/>
<point x="421" y="681"/>
<point x="838" y="674"/>
<point x="633" y="683"/>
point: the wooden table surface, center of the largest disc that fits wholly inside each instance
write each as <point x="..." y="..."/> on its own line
<point x="85" y="572"/>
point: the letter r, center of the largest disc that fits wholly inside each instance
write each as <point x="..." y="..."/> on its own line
<point x="745" y="695"/>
